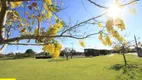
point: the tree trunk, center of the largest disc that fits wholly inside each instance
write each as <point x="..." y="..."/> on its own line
<point x="71" y="55"/>
<point x="124" y="57"/>
<point x="66" y="55"/>
<point x="125" y="61"/>
<point x="3" y="14"/>
<point x="2" y="18"/>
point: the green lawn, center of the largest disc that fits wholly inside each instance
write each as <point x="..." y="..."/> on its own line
<point x="96" y="68"/>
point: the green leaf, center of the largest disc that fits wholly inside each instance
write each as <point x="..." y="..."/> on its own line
<point x="33" y="22"/>
<point x="9" y="23"/>
<point x="63" y="23"/>
<point x="55" y="9"/>
<point x="57" y="20"/>
<point x="22" y="5"/>
<point x="16" y="13"/>
<point x="29" y="28"/>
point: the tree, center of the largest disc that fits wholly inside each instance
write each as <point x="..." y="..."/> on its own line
<point x="123" y="47"/>
<point x="30" y="53"/>
<point x="19" y="55"/>
<point x="1" y="56"/>
<point x="10" y="20"/>
<point x="73" y="52"/>
<point x="45" y="54"/>
<point x="68" y="52"/>
<point x="10" y="54"/>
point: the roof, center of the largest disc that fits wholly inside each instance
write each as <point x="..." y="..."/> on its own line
<point x="96" y="49"/>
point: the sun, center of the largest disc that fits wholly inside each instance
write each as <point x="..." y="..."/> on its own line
<point x="114" y="11"/>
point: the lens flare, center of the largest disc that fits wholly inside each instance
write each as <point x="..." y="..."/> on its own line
<point x="114" y="11"/>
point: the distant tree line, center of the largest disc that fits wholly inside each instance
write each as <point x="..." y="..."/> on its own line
<point x="67" y="53"/>
<point x="29" y="53"/>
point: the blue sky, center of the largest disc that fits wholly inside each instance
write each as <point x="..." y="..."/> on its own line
<point x="76" y="11"/>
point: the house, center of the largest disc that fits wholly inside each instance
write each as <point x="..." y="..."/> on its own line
<point x="91" y="52"/>
<point x="105" y="51"/>
<point x="43" y="55"/>
<point x="96" y="52"/>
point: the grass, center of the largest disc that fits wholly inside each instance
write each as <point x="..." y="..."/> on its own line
<point x="96" y="68"/>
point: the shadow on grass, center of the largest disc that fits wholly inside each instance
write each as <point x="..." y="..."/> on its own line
<point x="117" y="67"/>
<point x="130" y="71"/>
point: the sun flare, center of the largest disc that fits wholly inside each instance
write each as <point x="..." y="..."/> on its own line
<point x="114" y="11"/>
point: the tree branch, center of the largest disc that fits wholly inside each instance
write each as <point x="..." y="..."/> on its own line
<point x="8" y="41"/>
<point x="25" y="44"/>
<point x="21" y="0"/>
<point x="129" y="2"/>
<point x="82" y="23"/>
<point x="100" y="6"/>
<point x="3" y="47"/>
<point x="34" y="37"/>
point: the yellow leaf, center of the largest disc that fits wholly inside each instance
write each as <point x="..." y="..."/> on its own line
<point x="58" y="25"/>
<point x="109" y="25"/>
<point x="14" y="19"/>
<point x="121" y="39"/>
<point x="115" y="34"/>
<point x="36" y="31"/>
<point x="118" y="3"/>
<point x="27" y="24"/>
<point x="20" y="19"/>
<point x="49" y="15"/>
<point x="120" y="24"/>
<point x="104" y="42"/>
<point x="100" y="37"/>
<point x="23" y="30"/>
<point x="82" y="43"/>
<point x="48" y="1"/>
<point x="99" y="24"/>
<point x="40" y="19"/>
<point x="133" y="3"/>
<point x="132" y="11"/>
<point x="45" y="6"/>
<point x="53" y="49"/>
<point x="108" y="41"/>
<point x="15" y="4"/>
